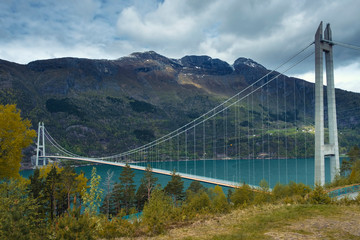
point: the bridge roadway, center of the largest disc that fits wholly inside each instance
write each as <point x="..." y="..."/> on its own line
<point x="214" y="181"/>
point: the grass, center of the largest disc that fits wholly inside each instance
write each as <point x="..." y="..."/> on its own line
<point x="267" y="221"/>
<point x="278" y="219"/>
<point x="256" y="226"/>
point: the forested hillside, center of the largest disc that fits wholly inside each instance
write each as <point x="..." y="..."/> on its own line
<point x="102" y="107"/>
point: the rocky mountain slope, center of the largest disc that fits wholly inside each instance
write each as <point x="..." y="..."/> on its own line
<point x="96" y="107"/>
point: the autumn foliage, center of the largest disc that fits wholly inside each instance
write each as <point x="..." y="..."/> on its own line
<point x="15" y="134"/>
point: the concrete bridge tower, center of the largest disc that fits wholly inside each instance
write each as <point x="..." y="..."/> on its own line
<point x="40" y="145"/>
<point x="323" y="46"/>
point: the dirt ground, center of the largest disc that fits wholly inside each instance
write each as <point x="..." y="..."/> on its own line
<point x="344" y="226"/>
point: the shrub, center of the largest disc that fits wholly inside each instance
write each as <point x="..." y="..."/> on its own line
<point x="262" y="196"/>
<point x="199" y="203"/>
<point x="19" y="218"/>
<point x="116" y="228"/>
<point x="76" y="227"/>
<point x="319" y="196"/>
<point x="219" y="200"/>
<point x="157" y="212"/>
<point x="242" y="195"/>
<point x="280" y="191"/>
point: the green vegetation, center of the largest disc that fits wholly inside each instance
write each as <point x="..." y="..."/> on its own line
<point x="92" y="199"/>
<point x="141" y="106"/>
<point x="350" y="170"/>
<point x="274" y="218"/>
<point x="49" y="205"/>
<point x="62" y="105"/>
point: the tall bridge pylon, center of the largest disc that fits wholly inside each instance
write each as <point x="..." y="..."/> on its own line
<point x="323" y="44"/>
<point x="40" y="145"/>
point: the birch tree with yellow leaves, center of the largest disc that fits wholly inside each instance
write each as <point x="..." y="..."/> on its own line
<point x="15" y="135"/>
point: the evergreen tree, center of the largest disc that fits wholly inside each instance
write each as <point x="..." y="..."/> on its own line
<point x="51" y="188"/>
<point x="347" y="164"/>
<point x="195" y="187"/>
<point x="141" y="196"/>
<point x="229" y="194"/>
<point x="175" y="188"/>
<point x="36" y="184"/>
<point x="124" y="192"/>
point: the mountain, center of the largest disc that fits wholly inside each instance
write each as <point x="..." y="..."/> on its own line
<point x="102" y="107"/>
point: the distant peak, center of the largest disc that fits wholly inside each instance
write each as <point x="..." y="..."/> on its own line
<point x="151" y="55"/>
<point x="248" y="62"/>
<point x="147" y="55"/>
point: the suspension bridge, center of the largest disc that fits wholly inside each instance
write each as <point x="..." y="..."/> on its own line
<point x="270" y="126"/>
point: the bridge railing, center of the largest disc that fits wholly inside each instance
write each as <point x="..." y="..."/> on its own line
<point x="345" y="190"/>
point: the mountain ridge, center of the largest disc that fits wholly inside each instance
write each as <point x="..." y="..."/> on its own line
<point x="107" y="100"/>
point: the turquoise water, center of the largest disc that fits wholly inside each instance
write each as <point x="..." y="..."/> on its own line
<point x="250" y="171"/>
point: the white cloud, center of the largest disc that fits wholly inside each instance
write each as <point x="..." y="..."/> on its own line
<point x="345" y="77"/>
<point x="348" y="77"/>
<point x="267" y="31"/>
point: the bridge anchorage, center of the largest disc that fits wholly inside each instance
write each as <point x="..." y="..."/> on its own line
<point x="224" y="136"/>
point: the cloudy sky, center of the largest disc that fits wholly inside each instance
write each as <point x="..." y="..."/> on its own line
<point x="268" y="32"/>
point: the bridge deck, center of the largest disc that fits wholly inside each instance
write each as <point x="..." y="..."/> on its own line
<point x="214" y="181"/>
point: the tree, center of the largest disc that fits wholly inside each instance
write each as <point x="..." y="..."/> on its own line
<point x="106" y="207"/>
<point x="355" y="173"/>
<point x="229" y="194"/>
<point x="81" y="187"/>
<point x="149" y="180"/>
<point x="175" y="187"/>
<point x="197" y="203"/>
<point x="19" y="217"/>
<point x="281" y="191"/>
<point x="51" y="188"/>
<point x="319" y="195"/>
<point x="263" y="195"/>
<point x="242" y="195"/>
<point x="219" y="200"/>
<point x="68" y="177"/>
<point x="141" y="196"/>
<point x="124" y="192"/>
<point x="354" y="153"/>
<point x="195" y="187"/>
<point x="15" y="134"/>
<point x="143" y="193"/>
<point x="346" y="165"/>
<point x="75" y="227"/>
<point x="157" y="212"/>
<point x="36" y="184"/>
<point x="92" y="198"/>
